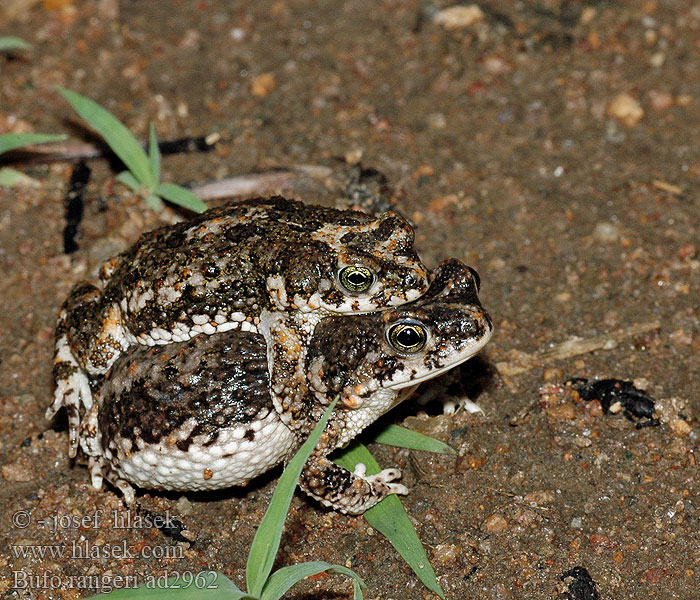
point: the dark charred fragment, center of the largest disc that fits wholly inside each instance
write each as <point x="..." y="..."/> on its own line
<point x="582" y="587"/>
<point x="74" y="205"/>
<point x="637" y="406"/>
<point x="170" y="527"/>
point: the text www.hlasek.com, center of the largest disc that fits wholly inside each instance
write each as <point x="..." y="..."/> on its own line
<point x="82" y="549"/>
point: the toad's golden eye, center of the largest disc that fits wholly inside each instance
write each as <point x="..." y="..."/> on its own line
<point x="407" y="337"/>
<point x="356" y="279"/>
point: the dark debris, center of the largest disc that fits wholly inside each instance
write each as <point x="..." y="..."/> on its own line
<point x="582" y="587"/>
<point x="637" y="406"/>
<point x="171" y="528"/>
<point x="74" y="205"/>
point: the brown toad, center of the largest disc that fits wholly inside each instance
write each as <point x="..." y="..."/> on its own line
<point x="227" y="269"/>
<point x="212" y="411"/>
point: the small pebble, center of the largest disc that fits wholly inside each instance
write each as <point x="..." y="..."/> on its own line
<point x="539" y="497"/>
<point x="552" y="374"/>
<point x="680" y="427"/>
<point x="576" y="523"/>
<point x="237" y="34"/>
<point x="496" y="523"/>
<point x="606" y="232"/>
<point x="601" y="541"/>
<point x="563" y="412"/>
<point x="437" y="121"/>
<point x="459" y="17"/>
<point x="657" y="59"/>
<point x="447" y="553"/>
<point x="353" y="157"/>
<point x="582" y="442"/>
<point x="262" y="85"/>
<point x="20" y="471"/>
<point x="680" y="337"/>
<point x="659" y="101"/>
<point x="688" y="251"/>
<point x="626" y="109"/>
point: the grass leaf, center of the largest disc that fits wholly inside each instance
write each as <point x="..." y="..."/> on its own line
<point x="11" y="141"/>
<point x="11" y="42"/>
<point x="129" y="181"/>
<point x="154" y="202"/>
<point x="154" y="153"/>
<point x="389" y="518"/>
<point x="206" y="585"/>
<point x="180" y="196"/>
<point x="267" y="539"/>
<point x="393" y="435"/>
<point x="357" y="590"/>
<point x="283" y="579"/>
<point x="14" y="178"/>
<point x="119" y="138"/>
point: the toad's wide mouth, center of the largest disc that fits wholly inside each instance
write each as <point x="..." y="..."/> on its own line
<point x="433" y="373"/>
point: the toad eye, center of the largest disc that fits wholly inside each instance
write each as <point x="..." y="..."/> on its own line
<point x="407" y="337"/>
<point x="356" y="279"/>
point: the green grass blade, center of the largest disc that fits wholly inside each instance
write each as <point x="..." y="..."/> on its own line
<point x="356" y="590"/>
<point x="11" y="42"/>
<point x="283" y="579"/>
<point x="14" y="178"/>
<point x="206" y="585"/>
<point x="267" y="539"/>
<point x="390" y="519"/>
<point x="393" y="435"/>
<point x="154" y="203"/>
<point x="154" y="153"/>
<point x="11" y="141"/>
<point x="180" y="196"/>
<point x="119" y="138"/>
<point x="129" y="181"/>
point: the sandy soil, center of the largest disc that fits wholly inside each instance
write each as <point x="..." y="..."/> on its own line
<point x="552" y="145"/>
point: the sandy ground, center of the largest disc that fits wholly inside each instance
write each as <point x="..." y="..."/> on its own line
<point x="552" y="145"/>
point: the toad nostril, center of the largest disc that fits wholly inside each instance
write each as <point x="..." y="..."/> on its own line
<point x="477" y="279"/>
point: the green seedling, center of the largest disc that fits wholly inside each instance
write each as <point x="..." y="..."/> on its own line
<point x="389" y="517"/>
<point x="143" y="174"/>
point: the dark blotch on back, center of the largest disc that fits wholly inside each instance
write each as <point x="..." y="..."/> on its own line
<point x="219" y="381"/>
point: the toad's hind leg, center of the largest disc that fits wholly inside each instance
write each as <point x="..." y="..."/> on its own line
<point x="71" y="380"/>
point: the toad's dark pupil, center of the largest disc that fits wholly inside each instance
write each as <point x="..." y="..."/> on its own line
<point x="357" y="278"/>
<point x="408" y="337"/>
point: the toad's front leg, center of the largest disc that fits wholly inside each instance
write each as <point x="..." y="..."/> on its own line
<point x="336" y="487"/>
<point x="348" y="492"/>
